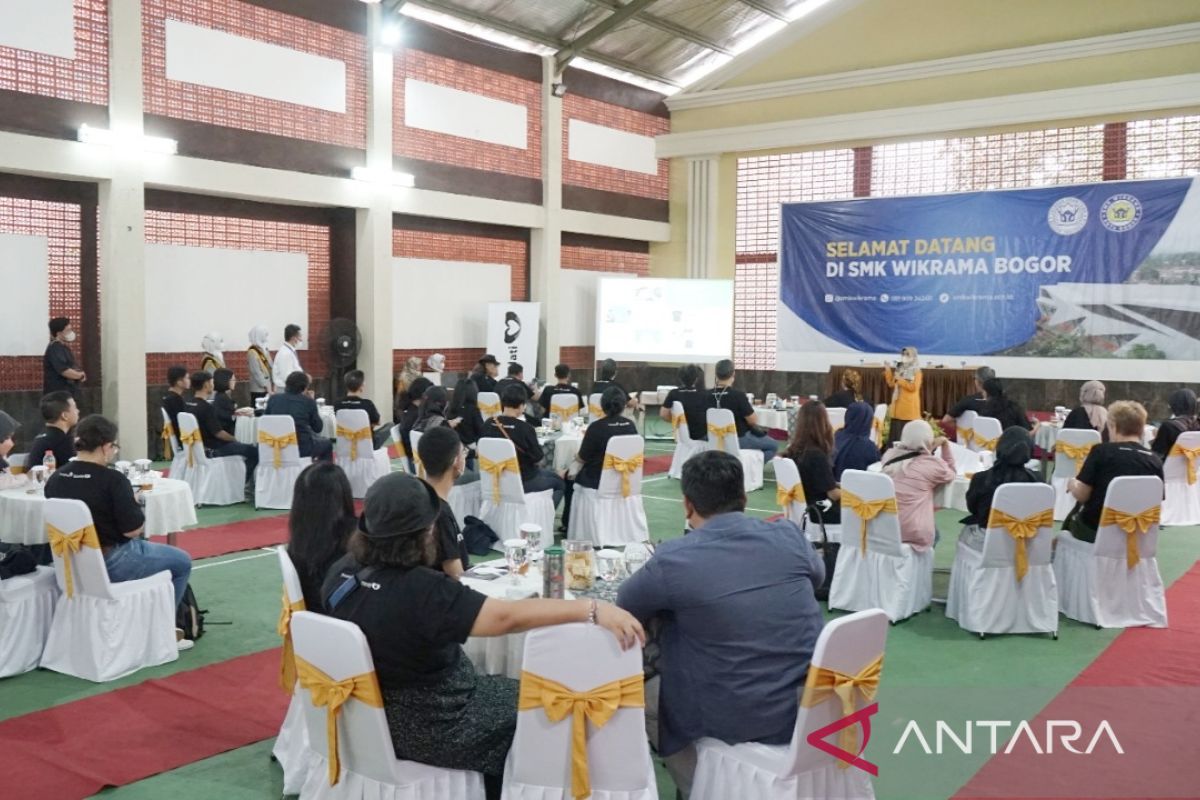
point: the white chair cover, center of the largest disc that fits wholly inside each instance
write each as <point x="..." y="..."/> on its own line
<point x="798" y="770"/>
<point x="1181" y="506"/>
<point x="837" y="418"/>
<point x="466" y="500"/>
<point x="881" y="411"/>
<point x="105" y="631"/>
<point x="594" y="412"/>
<point x="564" y="406"/>
<point x="515" y="507"/>
<point x="964" y="429"/>
<point x="489" y="405"/>
<point x="179" y="463"/>
<point x="985" y="595"/>
<point x="273" y="486"/>
<point x="891" y="575"/>
<point x="26" y="611"/>
<point x="369" y="767"/>
<point x="788" y="476"/>
<point x="581" y="657"/>
<point x="987" y="429"/>
<point x="214" y="481"/>
<point x="414" y="439"/>
<point x="604" y="515"/>
<point x="1065" y="467"/>
<point x="685" y="445"/>
<point x="752" y="460"/>
<point x="1095" y="583"/>
<point x="367" y="467"/>
<point x="291" y="745"/>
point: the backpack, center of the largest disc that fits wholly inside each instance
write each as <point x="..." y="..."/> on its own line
<point x="478" y="536"/>
<point x="189" y="617"/>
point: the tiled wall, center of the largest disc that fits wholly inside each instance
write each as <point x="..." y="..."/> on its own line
<point x="595" y="176"/>
<point x="83" y="79"/>
<point x="601" y="259"/>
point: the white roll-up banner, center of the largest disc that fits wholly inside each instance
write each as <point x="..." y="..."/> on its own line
<point x="512" y="334"/>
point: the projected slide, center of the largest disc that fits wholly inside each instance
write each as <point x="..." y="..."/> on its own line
<point x="657" y="319"/>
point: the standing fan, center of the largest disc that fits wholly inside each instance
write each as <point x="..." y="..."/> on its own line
<point x="342" y="342"/>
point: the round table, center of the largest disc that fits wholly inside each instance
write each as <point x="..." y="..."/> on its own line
<point x="246" y="430"/>
<point x="169" y="509"/>
<point x="776" y="419"/>
<point x="561" y="449"/>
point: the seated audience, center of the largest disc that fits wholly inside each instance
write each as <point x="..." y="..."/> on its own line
<point x="319" y="526"/>
<point x="218" y="443"/>
<point x="589" y="461"/>
<point x="414" y="396"/>
<point x="511" y="425"/>
<point x="812" y="450"/>
<point x="607" y="377"/>
<point x="1183" y="419"/>
<point x="516" y="377"/>
<point x="723" y="395"/>
<point x="116" y="512"/>
<point x="1002" y="407"/>
<point x="8" y="427"/>
<point x="852" y="445"/>
<point x="223" y="403"/>
<point x="1090" y="413"/>
<point x="917" y="473"/>
<point x="445" y="462"/>
<point x="60" y="415"/>
<point x="356" y="400"/>
<point x="851" y="391"/>
<point x="1122" y="454"/>
<point x="433" y="410"/>
<point x="440" y="711"/>
<point x="695" y="401"/>
<point x="177" y="386"/>
<point x="1013" y="452"/>
<point x="296" y="401"/>
<point x="972" y="402"/>
<point x="485" y="372"/>
<point x="465" y="408"/>
<point x="740" y="620"/>
<point x="562" y="374"/>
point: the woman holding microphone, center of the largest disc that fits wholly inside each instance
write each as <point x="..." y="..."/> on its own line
<point x="905" y="383"/>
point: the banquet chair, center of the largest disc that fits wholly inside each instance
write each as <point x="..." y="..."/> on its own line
<point x="1181" y="506"/>
<point x="790" y="492"/>
<point x="214" y="481"/>
<point x="722" y="435"/>
<point x="414" y="440"/>
<point x="613" y="514"/>
<point x="103" y="630"/>
<point x="275" y="478"/>
<point x="878" y="570"/>
<point x="355" y="451"/>
<point x="881" y="411"/>
<point x="594" y="410"/>
<point x="563" y="407"/>
<point x="398" y="443"/>
<point x="1115" y="582"/>
<point x="489" y="405"/>
<point x="1070" y="450"/>
<point x="367" y="764"/>
<point x="505" y="505"/>
<point x="851" y="646"/>
<point x="988" y="592"/>
<point x="580" y="658"/>
<point x="179" y="461"/>
<point x="964" y="429"/>
<point x="987" y="434"/>
<point x="26" y="611"/>
<point x="291" y="745"/>
<point x="685" y="445"/>
<point x="837" y="418"/>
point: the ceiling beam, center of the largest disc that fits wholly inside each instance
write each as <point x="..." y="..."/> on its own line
<point x="599" y="31"/>
<point x="760" y="6"/>
<point x="667" y="26"/>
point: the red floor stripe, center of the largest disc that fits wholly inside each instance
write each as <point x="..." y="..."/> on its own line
<point x="113" y="739"/>
<point x="233" y="537"/>
<point x="653" y="465"/>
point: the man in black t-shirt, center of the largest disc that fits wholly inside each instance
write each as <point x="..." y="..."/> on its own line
<point x="973" y="402"/>
<point x="511" y="425"/>
<point x="172" y="401"/>
<point x="61" y="415"/>
<point x="485" y="373"/>
<point x="695" y="401"/>
<point x="354" y="400"/>
<point x="516" y="377"/>
<point x="562" y="374"/>
<point x="60" y="373"/>
<point x="725" y="396"/>
<point x="445" y="461"/>
<point x="218" y="443"/>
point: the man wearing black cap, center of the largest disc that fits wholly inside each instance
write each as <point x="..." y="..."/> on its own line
<point x="485" y="373"/>
<point x="60" y="373"/>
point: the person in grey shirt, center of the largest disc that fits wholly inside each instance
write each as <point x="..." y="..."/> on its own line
<point x="258" y="362"/>
<point x="739" y="620"/>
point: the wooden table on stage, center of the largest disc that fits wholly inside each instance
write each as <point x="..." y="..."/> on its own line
<point x="941" y="387"/>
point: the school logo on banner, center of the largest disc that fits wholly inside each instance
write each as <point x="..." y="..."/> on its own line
<point x="1121" y="212"/>
<point x="1067" y="216"/>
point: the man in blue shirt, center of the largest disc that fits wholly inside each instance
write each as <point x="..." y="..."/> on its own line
<point x="740" y="619"/>
<point x="297" y="402"/>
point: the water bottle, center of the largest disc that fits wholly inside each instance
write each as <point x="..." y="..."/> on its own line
<point x="49" y="462"/>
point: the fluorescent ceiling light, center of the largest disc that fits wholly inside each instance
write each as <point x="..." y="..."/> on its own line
<point x="148" y="144"/>
<point x="368" y="175"/>
<point x="391" y="33"/>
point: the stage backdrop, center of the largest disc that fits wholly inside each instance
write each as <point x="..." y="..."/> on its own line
<point x="1096" y="271"/>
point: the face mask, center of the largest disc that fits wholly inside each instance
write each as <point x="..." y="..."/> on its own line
<point x="70" y="337"/>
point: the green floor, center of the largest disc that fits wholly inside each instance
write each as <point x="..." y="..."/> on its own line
<point x="931" y="665"/>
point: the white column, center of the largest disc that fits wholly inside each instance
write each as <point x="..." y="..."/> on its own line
<point x="122" y="239"/>
<point x="703" y="202"/>
<point x="545" y="243"/>
<point x="373" y="245"/>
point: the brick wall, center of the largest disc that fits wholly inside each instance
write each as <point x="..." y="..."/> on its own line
<point x="600" y="259"/>
<point x="594" y="176"/>
<point x="83" y="78"/>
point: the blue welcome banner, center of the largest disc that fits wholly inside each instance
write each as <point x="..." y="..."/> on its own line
<point x="1095" y="269"/>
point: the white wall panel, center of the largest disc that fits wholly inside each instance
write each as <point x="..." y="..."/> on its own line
<point x="43" y="26"/>
<point x="609" y="147"/>
<point x="439" y="303"/>
<point x="577" y="306"/>
<point x="193" y="290"/>
<point x="208" y="57"/>
<point x="432" y="107"/>
<point x="26" y="265"/>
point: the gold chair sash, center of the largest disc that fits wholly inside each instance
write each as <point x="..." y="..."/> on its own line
<point x="287" y="663"/>
<point x="419" y="464"/>
<point x="64" y="545"/>
<point x="190" y="440"/>
<point x="1132" y="525"/>
<point x="823" y="684"/>
<point x="277" y="443"/>
<point x="721" y="431"/>
<point x="355" y="436"/>
<point x="867" y="511"/>
<point x="489" y="409"/>
<point x="986" y="444"/>
<point x="1076" y="452"/>
<point x="785" y="497"/>
<point x="676" y="421"/>
<point x="595" y="411"/>
<point x="168" y="448"/>
<point x="596" y="706"/>
<point x="1021" y="529"/>
<point x="1190" y="454"/>
<point x="332" y="695"/>
<point x="496" y="469"/>
<point x="564" y="413"/>
<point x="625" y="466"/>
<point x="967" y="435"/>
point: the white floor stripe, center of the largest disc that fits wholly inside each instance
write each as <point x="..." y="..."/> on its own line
<point x="680" y="501"/>
<point x="267" y="551"/>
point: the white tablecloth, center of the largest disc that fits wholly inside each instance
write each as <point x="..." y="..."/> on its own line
<point x="1047" y="435"/>
<point x="774" y="419"/>
<point x="565" y="447"/>
<point x="953" y="495"/>
<point x="169" y="509"/>
<point x="501" y="655"/>
<point x="246" y="430"/>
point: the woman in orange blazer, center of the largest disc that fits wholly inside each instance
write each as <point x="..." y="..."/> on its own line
<point x="905" y="383"/>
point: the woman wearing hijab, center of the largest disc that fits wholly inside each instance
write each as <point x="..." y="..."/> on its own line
<point x="905" y="383"/>
<point x="852" y="445"/>
<point x="917" y="473"/>
<point x="1183" y="419"/>
<point x="213" y="359"/>
<point x="1013" y="451"/>
<point x="8" y="427"/>
<point x="1091" y="412"/>
<point x="258" y="361"/>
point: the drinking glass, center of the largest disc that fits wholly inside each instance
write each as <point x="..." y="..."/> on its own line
<point x="608" y="562"/>
<point x="516" y="554"/>
<point x="531" y="533"/>
<point x="636" y="556"/>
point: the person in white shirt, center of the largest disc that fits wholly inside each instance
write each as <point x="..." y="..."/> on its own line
<point x="286" y="360"/>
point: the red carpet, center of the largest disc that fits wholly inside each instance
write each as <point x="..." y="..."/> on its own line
<point x="119" y="737"/>
<point x="248" y="534"/>
<point x="1146" y="685"/>
<point x="653" y="465"/>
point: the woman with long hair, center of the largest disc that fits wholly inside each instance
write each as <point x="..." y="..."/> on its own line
<point x="433" y="410"/>
<point x="999" y="405"/>
<point x="812" y="450"/>
<point x="851" y="391"/>
<point x="917" y="473"/>
<point x="319" y="525"/>
<point x="465" y="407"/>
